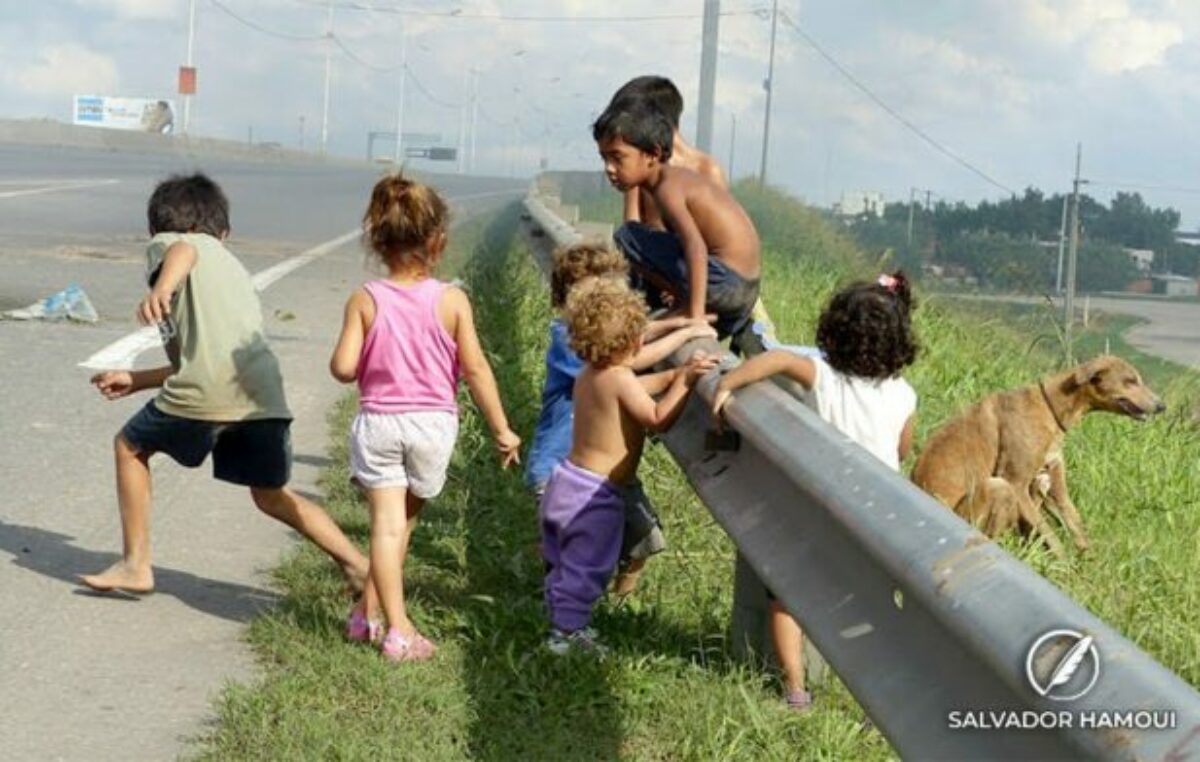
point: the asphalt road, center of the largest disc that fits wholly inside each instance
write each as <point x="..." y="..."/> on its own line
<point x="99" y="678"/>
<point x="1171" y="330"/>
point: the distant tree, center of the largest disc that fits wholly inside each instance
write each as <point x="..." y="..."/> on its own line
<point x="1130" y="222"/>
<point x="1001" y="261"/>
<point x="1103" y="266"/>
<point x="996" y="240"/>
<point x="1178" y="258"/>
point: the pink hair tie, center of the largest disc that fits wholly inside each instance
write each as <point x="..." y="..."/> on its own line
<point x="889" y="282"/>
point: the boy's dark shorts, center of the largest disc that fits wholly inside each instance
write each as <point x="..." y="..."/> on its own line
<point x="254" y="453"/>
<point x="642" y="535"/>
<point x="730" y="295"/>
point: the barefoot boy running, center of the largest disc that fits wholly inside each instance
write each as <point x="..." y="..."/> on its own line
<point x="222" y="393"/>
<point x="708" y="257"/>
<point x="582" y="511"/>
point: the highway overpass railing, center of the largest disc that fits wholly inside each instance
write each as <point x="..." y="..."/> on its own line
<point x="954" y="648"/>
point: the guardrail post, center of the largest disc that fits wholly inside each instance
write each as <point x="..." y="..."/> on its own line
<point x="749" y="627"/>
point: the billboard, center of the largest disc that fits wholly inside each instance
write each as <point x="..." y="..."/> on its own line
<point x="142" y="114"/>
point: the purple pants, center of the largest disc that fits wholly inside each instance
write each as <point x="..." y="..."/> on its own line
<point x="583" y="519"/>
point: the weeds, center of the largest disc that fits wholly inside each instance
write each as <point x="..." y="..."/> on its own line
<point x="671" y="691"/>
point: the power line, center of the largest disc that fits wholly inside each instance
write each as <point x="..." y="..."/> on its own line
<point x="499" y="123"/>
<point x="891" y="111"/>
<point x="358" y="60"/>
<point x="459" y="14"/>
<point x="260" y="28"/>
<point x="428" y="94"/>
<point x="1141" y="186"/>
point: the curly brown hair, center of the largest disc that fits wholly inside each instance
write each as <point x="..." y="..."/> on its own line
<point x="605" y="318"/>
<point x="574" y="263"/>
<point x="401" y="218"/>
<point x="866" y="331"/>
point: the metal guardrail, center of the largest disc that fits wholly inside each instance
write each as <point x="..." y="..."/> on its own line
<point x="920" y="615"/>
<point x="560" y="232"/>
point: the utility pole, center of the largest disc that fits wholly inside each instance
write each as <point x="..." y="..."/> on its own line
<point x="1069" y="309"/>
<point x="516" y="149"/>
<point x="328" y="73"/>
<point x="462" y="122"/>
<point x="732" y="144"/>
<point x="474" y="111"/>
<point x="708" y="75"/>
<point x="1062" y="239"/>
<point x="911" y="203"/>
<point x="187" y="98"/>
<point x="768" y="85"/>
<point x="302" y="132"/>
<point x="928" y="193"/>
<point x="399" y="155"/>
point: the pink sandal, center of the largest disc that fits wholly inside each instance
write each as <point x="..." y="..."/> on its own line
<point x="395" y="647"/>
<point x="359" y="629"/>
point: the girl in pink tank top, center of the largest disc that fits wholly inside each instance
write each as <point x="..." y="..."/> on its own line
<point x="407" y="339"/>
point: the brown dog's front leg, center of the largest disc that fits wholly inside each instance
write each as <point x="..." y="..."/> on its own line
<point x="1031" y="513"/>
<point x="1060" y="496"/>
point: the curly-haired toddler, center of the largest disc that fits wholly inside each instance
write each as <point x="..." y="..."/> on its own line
<point x="583" y="509"/>
<point x="552" y="437"/>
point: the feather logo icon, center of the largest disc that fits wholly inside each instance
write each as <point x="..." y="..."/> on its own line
<point x="1063" y="665"/>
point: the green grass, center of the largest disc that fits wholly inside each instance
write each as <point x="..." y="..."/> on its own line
<point x="671" y="691"/>
<point x="1104" y="333"/>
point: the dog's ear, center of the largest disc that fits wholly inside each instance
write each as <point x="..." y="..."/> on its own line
<point x="1090" y="373"/>
<point x="1093" y="371"/>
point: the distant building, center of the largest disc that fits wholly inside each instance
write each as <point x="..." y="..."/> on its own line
<point x="1175" y="285"/>
<point x="1140" y="286"/>
<point x="1143" y="258"/>
<point x="858" y="203"/>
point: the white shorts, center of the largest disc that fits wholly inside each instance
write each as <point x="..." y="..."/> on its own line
<point x="409" y="450"/>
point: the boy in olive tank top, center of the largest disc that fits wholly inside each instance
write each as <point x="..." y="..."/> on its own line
<point x="221" y="394"/>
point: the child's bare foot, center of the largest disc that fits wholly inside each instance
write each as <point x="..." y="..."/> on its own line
<point x="121" y="577"/>
<point x="626" y="582"/>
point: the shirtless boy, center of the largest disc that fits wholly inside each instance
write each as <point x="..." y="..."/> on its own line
<point x="707" y="258"/>
<point x="582" y="511"/>
<point x="661" y="93"/>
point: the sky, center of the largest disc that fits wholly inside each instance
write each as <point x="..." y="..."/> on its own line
<point x="1006" y="86"/>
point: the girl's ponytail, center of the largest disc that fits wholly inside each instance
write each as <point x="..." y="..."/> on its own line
<point x="402" y="217"/>
<point x="898" y="285"/>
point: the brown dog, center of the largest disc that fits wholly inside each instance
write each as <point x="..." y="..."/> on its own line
<point x="997" y="462"/>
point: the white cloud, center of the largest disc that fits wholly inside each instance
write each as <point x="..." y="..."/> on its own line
<point x="64" y="70"/>
<point x="137" y="10"/>
<point x="1112" y="35"/>
<point x="1130" y="44"/>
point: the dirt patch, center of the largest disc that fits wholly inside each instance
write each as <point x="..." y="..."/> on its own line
<point x="102" y="252"/>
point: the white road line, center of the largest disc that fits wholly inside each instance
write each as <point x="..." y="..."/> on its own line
<point x="57" y="186"/>
<point x="265" y="278"/>
<point x="121" y="354"/>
